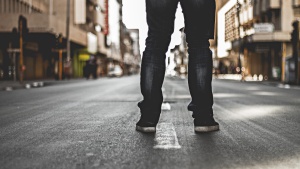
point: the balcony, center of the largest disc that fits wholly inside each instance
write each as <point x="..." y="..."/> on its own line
<point x="296" y="3"/>
<point x="276" y="36"/>
<point x="273" y="4"/>
<point x="261" y="6"/>
<point x="41" y="5"/>
<point x="266" y="32"/>
<point x="269" y="4"/>
<point x="43" y="23"/>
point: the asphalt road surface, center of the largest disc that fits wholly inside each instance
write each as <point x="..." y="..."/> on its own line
<point x="91" y="124"/>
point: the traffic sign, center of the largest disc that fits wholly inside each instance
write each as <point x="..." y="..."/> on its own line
<point x="58" y="50"/>
<point x="13" y="50"/>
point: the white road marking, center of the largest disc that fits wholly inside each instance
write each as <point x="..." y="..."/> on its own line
<point x="285" y="86"/>
<point x="41" y="84"/>
<point x="164" y="95"/>
<point x="9" y="89"/>
<point x="35" y="84"/>
<point x="27" y="86"/>
<point x="166" y="137"/>
<point x="89" y="154"/>
<point x="165" y="106"/>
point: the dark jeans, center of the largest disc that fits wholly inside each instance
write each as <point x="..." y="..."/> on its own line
<point x="199" y="28"/>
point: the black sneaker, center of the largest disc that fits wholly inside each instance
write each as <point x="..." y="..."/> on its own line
<point x="146" y="127"/>
<point x="203" y="125"/>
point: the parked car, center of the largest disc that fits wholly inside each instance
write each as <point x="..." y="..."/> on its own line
<point x="115" y="71"/>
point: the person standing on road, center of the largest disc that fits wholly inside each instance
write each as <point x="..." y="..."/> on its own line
<point x="199" y="18"/>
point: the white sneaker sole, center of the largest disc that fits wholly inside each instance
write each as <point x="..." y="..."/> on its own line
<point x="203" y="129"/>
<point x="146" y="129"/>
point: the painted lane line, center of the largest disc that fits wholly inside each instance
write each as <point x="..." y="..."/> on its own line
<point x="284" y="86"/>
<point x="165" y="137"/>
<point x="9" y="88"/>
<point x="27" y="86"/>
<point x="166" y="106"/>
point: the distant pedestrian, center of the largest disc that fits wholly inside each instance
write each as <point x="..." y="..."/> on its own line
<point x="90" y="68"/>
<point x="199" y="18"/>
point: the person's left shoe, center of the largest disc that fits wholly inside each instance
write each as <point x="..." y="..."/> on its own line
<point x="205" y="124"/>
<point x="145" y="127"/>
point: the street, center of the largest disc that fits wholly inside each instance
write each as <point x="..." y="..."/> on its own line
<point x="91" y="124"/>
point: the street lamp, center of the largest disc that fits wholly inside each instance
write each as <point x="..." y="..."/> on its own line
<point x="98" y="28"/>
<point x="238" y="9"/>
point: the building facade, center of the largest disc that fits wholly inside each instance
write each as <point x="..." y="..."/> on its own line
<point x="178" y="58"/>
<point x="131" y="47"/>
<point x="46" y="19"/>
<point x="90" y="29"/>
<point x="214" y="42"/>
<point x="255" y="36"/>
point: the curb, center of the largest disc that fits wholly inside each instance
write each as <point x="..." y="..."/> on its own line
<point x="36" y="84"/>
<point x="267" y="83"/>
<point x="23" y="86"/>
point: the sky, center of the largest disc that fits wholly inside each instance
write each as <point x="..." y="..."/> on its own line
<point x="134" y="17"/>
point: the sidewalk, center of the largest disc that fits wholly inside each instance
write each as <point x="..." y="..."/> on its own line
<point x="258" y="80"/>
<point x="14" y="85"/>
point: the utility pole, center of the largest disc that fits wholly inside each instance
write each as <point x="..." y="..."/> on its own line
<point x="238" y="8"/>
<point x="60" y="57"/>
<point x="23" y="30"/>
<point x="296" y="57"/>
<point x="21" y="50"/>
<point x="122" y="28"/>
<point x="68" y="31"/>
<point x="60" y="49"/>
<point x="295" y="42"/>
<point x="13" y="50"/>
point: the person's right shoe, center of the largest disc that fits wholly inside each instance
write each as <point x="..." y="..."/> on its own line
<point x="145" y="127"/>
<point x="205" y="124"/>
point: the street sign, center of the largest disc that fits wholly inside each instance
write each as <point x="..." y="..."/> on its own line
<point x="13" y="50"/>
<point x="264" y="27"/>
<point x="262" y="49"/>
<point x="58" y="50"/>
